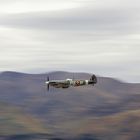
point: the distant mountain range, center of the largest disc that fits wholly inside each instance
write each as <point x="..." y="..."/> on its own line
<point x="109" y="110"/>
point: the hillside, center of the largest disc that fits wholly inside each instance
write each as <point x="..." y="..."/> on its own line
<point x="120" y="126"/>
<point x="74" y="112"/>
<point x="13" y="122"/>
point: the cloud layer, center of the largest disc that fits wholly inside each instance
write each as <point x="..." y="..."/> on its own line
<point x="81" y="35"/>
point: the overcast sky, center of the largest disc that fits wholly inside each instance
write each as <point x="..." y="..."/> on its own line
<point x="96" y="36"/>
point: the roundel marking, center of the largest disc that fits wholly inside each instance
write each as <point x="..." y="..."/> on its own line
<point x="77" y="83"/>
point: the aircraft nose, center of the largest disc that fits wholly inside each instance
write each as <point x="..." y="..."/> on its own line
<point x="47" y="82"/>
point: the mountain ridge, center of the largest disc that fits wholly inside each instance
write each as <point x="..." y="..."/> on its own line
<point x="64" y="110"/>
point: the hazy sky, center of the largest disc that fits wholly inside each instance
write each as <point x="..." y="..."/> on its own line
<point x="96" y="36"/>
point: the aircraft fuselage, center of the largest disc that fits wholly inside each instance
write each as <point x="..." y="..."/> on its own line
<point x="69" y="82"/>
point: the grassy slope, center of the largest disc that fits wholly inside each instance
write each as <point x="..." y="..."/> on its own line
<point x="13" y="122"/>
<point x="120" y="126"/>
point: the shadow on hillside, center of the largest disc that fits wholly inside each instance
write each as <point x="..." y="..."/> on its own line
<point x="46" y="137"/>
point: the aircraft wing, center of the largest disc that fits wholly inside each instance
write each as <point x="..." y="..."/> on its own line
<point x="59" y="84"/>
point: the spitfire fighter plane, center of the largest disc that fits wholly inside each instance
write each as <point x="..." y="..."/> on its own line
<point x="70" y="82"/>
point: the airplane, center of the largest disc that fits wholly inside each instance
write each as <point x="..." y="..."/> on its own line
<point x="70" y="82"/>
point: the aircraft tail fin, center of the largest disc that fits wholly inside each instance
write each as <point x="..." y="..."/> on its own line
<point x="93" y="79"/>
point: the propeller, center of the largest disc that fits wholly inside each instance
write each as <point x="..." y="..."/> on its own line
<point x="48" y="86"/>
